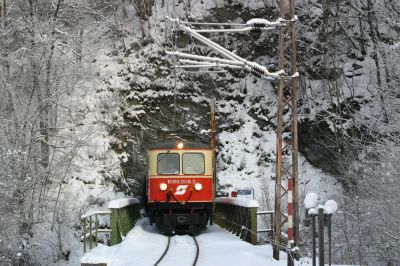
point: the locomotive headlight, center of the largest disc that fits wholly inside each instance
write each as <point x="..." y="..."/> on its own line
<point x="163" y="187"/>
<point x="180" y="145"/>
<point x="198" y="186"/>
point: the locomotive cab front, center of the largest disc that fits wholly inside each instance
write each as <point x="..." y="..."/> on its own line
<point x="180" y="186"/>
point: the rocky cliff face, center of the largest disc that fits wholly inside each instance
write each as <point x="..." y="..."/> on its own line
<point x="339" y="85"/>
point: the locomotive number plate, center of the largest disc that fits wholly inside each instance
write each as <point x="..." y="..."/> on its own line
<point x="185" y="181"/>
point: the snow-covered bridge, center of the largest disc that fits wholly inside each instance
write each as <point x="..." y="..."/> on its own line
<point x="134" y="241"/>
<point x="144" y="245"/>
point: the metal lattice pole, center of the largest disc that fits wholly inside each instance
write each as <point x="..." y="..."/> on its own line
<point x="213" y="144"/>
<point x="287" y="141"/>
<point x="295" y="142"/>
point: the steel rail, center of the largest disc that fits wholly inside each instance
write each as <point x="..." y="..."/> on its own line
<point x="167" y="248"/>
<point x="197" y="251"/>
<point x="164" y="253"/>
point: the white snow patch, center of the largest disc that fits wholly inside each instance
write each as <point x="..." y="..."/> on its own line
<point x="395" y="45"/>
<point x="121" y="203"/>
<point x="310" y="200"/>
<point x="313" y="211"/>
<point x="91" y="213"/>
<point x="248" y="203"/>
<point x="330" y="207"/>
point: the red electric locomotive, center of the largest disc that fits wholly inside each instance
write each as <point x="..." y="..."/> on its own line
<point x="180" y="186"/>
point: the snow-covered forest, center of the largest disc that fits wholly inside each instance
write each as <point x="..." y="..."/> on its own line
<point x="86" y="87"/>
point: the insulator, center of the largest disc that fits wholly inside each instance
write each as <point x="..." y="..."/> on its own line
<point x="257" y="71"/>
<point x="259" y="25"/>
<point x="255" y="29"/>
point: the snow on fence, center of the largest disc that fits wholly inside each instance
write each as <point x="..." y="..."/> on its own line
<point x="87" y="219"/>
<point x="123" y="214"/>
<point x="239" y="216"/>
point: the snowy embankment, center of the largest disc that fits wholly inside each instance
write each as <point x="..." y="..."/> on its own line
<point x="144" y="245"/>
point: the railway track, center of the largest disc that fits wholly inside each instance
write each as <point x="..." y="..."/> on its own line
<point x="167" y="248"/>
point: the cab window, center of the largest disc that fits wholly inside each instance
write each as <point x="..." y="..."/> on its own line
<point x="193" y="163"/>
<point x="168" y="163"/>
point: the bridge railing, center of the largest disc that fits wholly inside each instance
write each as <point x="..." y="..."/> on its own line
<point x="270" y="214"/>
<point x="122" y="213"/>
<point x="87" y="221"/>
<point x="238" y="216"/>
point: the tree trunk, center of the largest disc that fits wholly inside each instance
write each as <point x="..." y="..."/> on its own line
<point x="3" y="12"/>
<point x="373" y="31"/>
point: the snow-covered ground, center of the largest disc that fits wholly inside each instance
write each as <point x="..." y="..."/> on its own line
<point x="144" y="245"/>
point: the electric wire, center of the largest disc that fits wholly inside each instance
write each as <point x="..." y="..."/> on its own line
<point x="215" y="24"/>
<point x="216" y="89"/>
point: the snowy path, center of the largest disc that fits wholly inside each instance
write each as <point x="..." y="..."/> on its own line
<point x="144" y="245"/>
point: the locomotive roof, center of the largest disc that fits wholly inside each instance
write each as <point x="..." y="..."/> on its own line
<point x="186" y="144"/>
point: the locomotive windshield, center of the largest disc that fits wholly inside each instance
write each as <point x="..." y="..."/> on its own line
<point x="193" y="163"/>
<point x="168" y="163"/>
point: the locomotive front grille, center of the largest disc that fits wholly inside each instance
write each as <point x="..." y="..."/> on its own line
<point x="183" y="219"/>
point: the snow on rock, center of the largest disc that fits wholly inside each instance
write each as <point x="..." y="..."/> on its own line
<point x="121" y="203"/>
<point x="241" y="156"/>
<point x="310" y="200"/>
<point x="248" y="203"/>
<point x="330" y="207"/>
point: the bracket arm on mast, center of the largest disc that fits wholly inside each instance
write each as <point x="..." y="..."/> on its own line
<point x="257" y="69"/>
